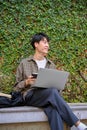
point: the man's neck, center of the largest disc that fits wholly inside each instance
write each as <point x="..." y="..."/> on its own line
<point x="38" y="56"/>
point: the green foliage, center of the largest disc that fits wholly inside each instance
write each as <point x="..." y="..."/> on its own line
<point x="65" y="21"/>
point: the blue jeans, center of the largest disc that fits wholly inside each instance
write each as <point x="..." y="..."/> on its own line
<point x="56" y="109"/>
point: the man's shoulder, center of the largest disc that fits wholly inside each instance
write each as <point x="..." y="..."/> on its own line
<point x="27" y="59"/>
<point x="51" y="63"/>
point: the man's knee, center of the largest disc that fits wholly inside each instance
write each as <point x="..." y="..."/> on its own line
<point x="53" y="91"/>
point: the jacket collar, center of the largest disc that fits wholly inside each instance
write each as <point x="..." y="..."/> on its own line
<point x="31" y="58"/>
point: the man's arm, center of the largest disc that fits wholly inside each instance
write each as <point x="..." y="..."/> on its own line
<point x="22" y="82"/>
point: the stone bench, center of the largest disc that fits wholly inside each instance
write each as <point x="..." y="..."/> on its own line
<point x="32" y="118"/>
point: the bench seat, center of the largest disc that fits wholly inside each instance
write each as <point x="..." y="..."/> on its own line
<point x="23" y="117"/>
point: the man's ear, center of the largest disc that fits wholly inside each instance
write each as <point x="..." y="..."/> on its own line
<point x="36" y="44"/>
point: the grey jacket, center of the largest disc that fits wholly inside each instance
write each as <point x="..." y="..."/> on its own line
<point x="25" y="69"/>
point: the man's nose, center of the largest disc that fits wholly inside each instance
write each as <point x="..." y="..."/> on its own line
<point x="47" y="44"/>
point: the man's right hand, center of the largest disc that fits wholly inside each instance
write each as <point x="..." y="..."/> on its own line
<point x="30" y="80"/>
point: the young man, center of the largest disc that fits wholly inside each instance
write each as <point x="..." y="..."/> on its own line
<point x="49" y="99"/>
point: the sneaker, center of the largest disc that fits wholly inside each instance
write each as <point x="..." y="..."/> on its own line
<point x="82" y="126"/>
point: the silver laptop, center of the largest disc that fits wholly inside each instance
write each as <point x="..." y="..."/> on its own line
<point x="51" y="78"/>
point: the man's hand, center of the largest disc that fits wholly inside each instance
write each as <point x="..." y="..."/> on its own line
<point x="30" y="80"/>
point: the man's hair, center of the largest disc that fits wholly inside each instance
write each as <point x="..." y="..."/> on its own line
<point x="38" y="37"/>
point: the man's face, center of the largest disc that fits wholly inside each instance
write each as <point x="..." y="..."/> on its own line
<point x="42" y="47"/>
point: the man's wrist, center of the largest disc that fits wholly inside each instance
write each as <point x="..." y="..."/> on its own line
<point x="26" y="83"/>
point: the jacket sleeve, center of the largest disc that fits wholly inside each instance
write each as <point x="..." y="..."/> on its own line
<point x="20" y="81"/>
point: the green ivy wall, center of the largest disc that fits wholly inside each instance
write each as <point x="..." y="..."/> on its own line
<point x="65" y="21"/>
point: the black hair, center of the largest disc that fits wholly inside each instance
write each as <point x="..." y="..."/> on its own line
<point x="38" y="37"/>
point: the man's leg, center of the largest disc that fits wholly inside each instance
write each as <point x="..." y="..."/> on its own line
<point x="39" y="98"/>
<point x="55" y="121"/>
<point x="50" y="97"/>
